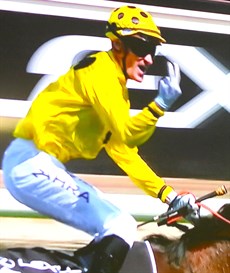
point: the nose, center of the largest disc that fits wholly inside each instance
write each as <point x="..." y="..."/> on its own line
<point x="149" y="59"/>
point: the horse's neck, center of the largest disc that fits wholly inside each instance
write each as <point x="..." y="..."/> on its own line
<point x="162" y="262"/>
<point x="207" y="258"/>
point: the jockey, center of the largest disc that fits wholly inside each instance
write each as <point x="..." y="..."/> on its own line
<point x="84" y="111"/>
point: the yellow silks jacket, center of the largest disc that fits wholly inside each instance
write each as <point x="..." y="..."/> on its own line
<point x="86" y="110"/>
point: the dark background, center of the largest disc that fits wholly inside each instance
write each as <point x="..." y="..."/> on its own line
<point x="215" y="6"/>
<point x="203" y="152"/>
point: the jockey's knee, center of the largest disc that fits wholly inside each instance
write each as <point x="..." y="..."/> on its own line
<point x="124" y="226"/>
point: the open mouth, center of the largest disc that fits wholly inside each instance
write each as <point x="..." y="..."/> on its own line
<point x="142" y="68"/>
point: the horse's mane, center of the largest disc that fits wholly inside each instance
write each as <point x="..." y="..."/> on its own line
<point x="208" y="231"/>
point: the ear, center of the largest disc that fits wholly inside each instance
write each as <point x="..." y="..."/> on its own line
<point x="117" y="46"/>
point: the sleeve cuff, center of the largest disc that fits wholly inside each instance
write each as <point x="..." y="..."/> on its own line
<point x="167" y="194"/>
<point x="155" y="110"/>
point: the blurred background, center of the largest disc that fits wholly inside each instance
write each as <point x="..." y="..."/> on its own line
<point x="40" y="40"/>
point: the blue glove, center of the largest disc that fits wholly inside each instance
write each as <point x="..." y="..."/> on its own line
<point x="187" y="201"/>
<point x="169" y="88"/>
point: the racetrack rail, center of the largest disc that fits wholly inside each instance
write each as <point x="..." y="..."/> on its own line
<point x="123" y="185"/>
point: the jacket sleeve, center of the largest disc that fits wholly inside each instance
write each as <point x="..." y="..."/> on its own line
<point x="137" y="169"/>
<point x="142" y="125"/>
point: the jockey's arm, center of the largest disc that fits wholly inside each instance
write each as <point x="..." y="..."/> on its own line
<point x="138" y="170"/>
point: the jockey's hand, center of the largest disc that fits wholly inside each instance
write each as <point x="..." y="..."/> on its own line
<point x="169" y="88"/>
<point x="186" y="203"/>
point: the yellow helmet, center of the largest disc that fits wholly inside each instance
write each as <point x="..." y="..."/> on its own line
<point x="131" y="20"/>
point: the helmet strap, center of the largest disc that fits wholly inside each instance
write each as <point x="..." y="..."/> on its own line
<point x="117" y="47"/>
<point x="124" y="61"/>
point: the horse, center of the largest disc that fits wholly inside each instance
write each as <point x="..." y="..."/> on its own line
<point x="205" y="248"/>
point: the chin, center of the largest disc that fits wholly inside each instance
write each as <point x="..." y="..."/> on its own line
<point x="137" y="78"/>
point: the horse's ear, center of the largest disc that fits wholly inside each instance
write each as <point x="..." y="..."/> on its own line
<point x="225" y="211"/>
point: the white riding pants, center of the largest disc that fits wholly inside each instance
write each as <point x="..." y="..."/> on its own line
<point x="41" y="182"/>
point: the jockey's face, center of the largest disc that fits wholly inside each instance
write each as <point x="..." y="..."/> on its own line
<point x="140" y="55"/>
<point x="135" y="56"/>
<point x="137" y="66"/>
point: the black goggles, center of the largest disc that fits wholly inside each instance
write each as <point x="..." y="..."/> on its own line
<point x="139" y="47"/>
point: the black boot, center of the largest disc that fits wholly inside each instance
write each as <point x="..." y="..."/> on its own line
<point x="84" y="256"/>
<point x="109" y="255"/>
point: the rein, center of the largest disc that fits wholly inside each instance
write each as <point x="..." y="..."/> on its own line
<point x="173" y="221"/>
<point x="214" y="213"/>
<point x="171" y="218"/>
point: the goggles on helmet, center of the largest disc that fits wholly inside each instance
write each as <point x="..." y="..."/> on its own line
<point x="139" y="47"/>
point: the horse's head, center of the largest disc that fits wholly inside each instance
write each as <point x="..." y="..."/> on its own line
<point x="218" y="224"/>
<point x="225" y="211"/>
